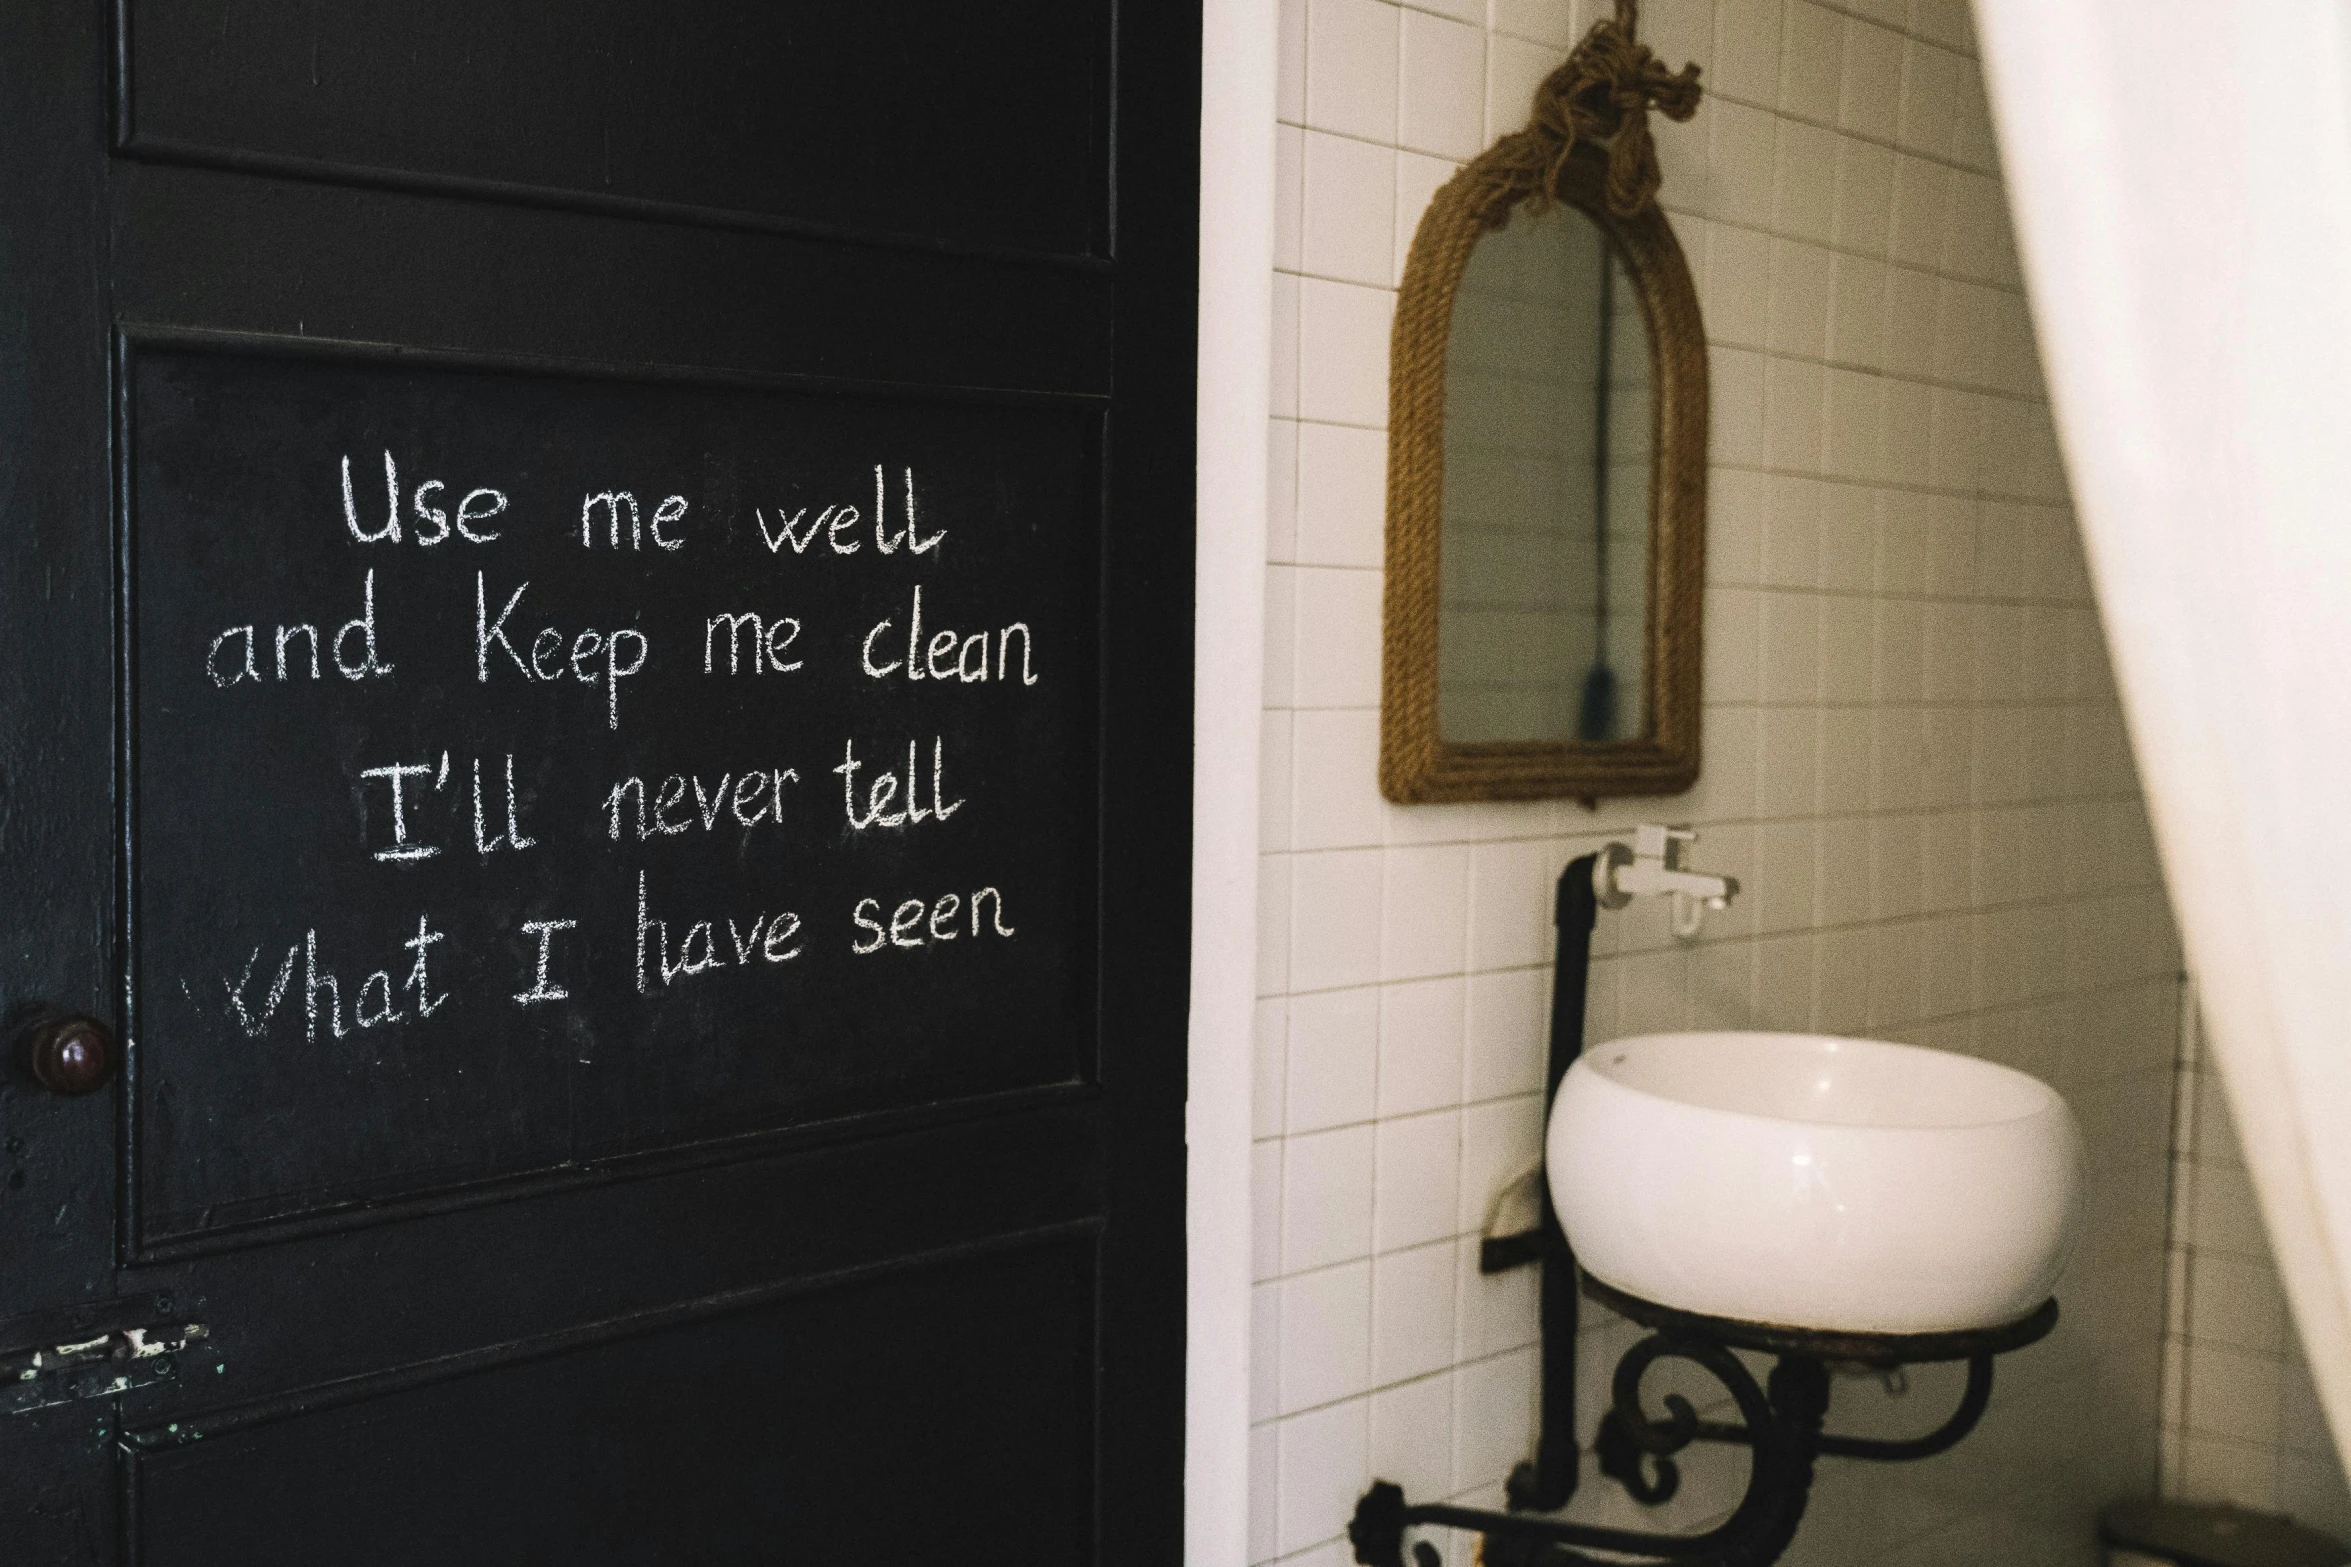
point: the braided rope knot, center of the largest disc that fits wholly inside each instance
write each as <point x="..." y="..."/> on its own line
<point x="1602" y="93"/>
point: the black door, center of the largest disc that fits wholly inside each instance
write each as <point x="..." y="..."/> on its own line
<point x="594" y="660"/>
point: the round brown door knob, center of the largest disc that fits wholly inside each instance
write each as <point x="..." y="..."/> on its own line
<point x="69" y="1055"/>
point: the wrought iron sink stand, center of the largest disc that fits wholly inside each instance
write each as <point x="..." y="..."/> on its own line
<point x="1780" y="1419"/>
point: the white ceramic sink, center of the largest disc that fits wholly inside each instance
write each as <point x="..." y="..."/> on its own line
<point x="1815" y="1182"/>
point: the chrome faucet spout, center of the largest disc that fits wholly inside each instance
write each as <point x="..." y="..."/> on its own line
<point x="1653" y="867"/>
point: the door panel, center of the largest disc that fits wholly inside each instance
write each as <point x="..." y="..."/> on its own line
<point x="57" y="1156"/>
<point x="299" y="1311"/>
<point x="975" y="125"/>
<point x="201" y="249"/>
<point x="772" y="1250"/>
<point x="590" y="1450"/>
<point x="347" y="988"/>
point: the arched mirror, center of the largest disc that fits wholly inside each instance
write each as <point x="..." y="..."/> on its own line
<point x="1547" y="462"/>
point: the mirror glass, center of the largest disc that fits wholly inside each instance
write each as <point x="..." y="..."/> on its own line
<point x="1548" y="425"/>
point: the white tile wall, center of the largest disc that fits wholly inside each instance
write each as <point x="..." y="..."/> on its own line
<point x="2241" y="1421"/>
<point x="1914" y="761"/>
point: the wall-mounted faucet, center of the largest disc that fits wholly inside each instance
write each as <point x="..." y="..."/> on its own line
<point x="1653" y="865"/>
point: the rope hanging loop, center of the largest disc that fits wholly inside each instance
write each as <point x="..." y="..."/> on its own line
<point x="1602" y="93"/>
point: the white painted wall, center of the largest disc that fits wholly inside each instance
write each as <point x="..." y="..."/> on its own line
<point x="1236" y="246"/>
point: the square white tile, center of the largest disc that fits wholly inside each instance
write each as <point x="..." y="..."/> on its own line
<point x="1509" y="906"/>
<point x="1332" y="1058"/>
<point x="1426" y="904"/>
<point x="1334" y="919"/>
<point x="1343" y="351"/>
<point x="1870" y="96"/>
<point x="1325" y="1336"/>
<point x="1326" y="1198"/>
<point x="1812" y="59"/>
<point x="1444" y="78"/>
<point x="1805" y="184"/>
<point x="1281" y="490"/>
<point x="1799" y="318"/>
<point x="1509" y="1034"/>
<point x="1334" y="760"/>
<point x="1412" y="1436"/>
<point x="1349" y="225"/>
<point x="1494" y="1417"/>
<point x="1324" y="1465"/>
<point x="1747" y="51"/>
<point x="1515" y="67"/>
<point x="1552" y="23"/>
<point x="1930" y="98"/>
<point x="1864" y="197"/>
<point x="1412" y="1313"/>
<point x="1335" y="662"/>
<point x="1422" y="1027"/>
<point x="1351" y="57"/>
<point x="1857" y="311"/>
<point x="1737" y="295"/>
<point x="1794" y="391"/>
<point x="1416" y="1180"/>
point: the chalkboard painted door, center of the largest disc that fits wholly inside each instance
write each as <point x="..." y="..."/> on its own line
<point x="594" y="660"/>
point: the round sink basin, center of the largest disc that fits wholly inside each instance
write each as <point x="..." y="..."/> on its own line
<point x="1814" y="1182"/>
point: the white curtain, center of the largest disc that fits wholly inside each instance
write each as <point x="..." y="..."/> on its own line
<point x="2180" y="176"/>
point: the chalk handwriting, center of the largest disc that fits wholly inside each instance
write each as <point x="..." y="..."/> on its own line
<point x="949" y="655"/>
<point x="767" y="640"/>
<point x="512" y="837"/>
<point x="750" y="797"/>
<point x="907" y="536"/>
<point x="772" y="938"/>
<point x="837" y="525"/>
<point x="397" y="775"/>
<point x="433" y="523"/>
<point x="253" y="1026"/>
<point x="541" y="991"/>
<point x="374" y="1005"/>
<point x="882" y="789"/>
<point x="919" y="922"/>
<point x="671" y="509"/>
<point x="242" y="665"/>
<point x="548" y="658"/>
<point x="414" y="807"/>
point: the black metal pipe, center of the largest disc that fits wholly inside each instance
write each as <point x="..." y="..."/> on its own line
<point x="1547" y="1484"/>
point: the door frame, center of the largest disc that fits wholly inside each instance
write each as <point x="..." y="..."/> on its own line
<point x="1239" y="67"/>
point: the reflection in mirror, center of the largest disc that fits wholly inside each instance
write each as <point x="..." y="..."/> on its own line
<point x="1548" y="427"/>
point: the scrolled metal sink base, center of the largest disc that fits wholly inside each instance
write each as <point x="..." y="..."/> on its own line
<point x="1780" y="1422"/>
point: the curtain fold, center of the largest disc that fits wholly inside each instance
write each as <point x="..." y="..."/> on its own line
<point x="2180" y="179"/>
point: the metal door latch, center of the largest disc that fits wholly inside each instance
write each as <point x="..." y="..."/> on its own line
<point x="86" y="1353"/>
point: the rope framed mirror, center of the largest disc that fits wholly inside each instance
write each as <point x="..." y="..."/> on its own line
<point x="1547" y="415"/>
